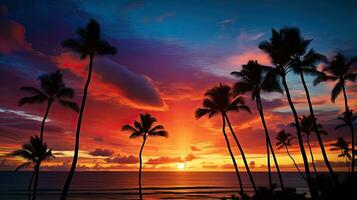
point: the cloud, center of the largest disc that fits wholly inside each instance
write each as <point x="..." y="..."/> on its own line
<point x="190" y="157"/>
<point x="114" y="82"/>
<point x="167" y="159"/>
<point x="244" y="36"/>
<point x="252" y="164"/>
<point x="164" y="16"/>
<point x="225" y="22"/>
<point x="102" y="152"/>
<point x="164" y="160"/>
<point x="195" y="148"/>
<point x="12" y="37"/>
<point x="122" y="159"/>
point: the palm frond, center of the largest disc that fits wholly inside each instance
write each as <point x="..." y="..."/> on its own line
<point x="336" y="91"/>
<point x="65" y="92"/>
<point x="23" y="165"/>
<point x="70" y="104"/>
<point x="161" y="133"/>
<point x="200" y="112"/>
<point x="37" y="99"/>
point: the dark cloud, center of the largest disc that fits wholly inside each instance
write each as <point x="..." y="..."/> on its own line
<point x="102" y="152"/>
<point x="122" y="159"/>
<point x="12" y="37"/>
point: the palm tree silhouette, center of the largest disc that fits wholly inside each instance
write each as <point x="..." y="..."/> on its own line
<point x="144" y="129"/>
<point x="279" y="53"/>
<point x="89" y="45"/>
<point x="34" y="152"/>
<point x="340" y="70"/>
<point x="219" y="100"/>
<point x="284" y="140"/>
<point x="307" y="128"/>
<point x="304" y="61"/>
<point x="251" y="80"/>
<point x="343" y="146"/>
<point x="52" y="89"/>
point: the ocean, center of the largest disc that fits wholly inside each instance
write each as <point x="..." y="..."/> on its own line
<point x="123" y="185"/>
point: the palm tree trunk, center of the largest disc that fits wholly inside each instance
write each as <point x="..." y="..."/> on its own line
<point x="37" y="171"/>
<point x="266" y="143"/>
<point x="261" y="112"/>
<point x="44" y="119"/>
<point x="242" y="153"/>
<point x="140" y="168"/>
<point x="296" y="166"/>
<point x="232" y="156"/>
<point x="310" y="183"/>
<point x="316" y="129"/>
<point x="352" y="131"/>
<point x="30" y="186"/>
<point x="79" y="122"/>
<point x="311" y="154"/>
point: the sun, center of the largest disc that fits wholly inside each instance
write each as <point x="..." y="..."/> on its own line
<point x="181" y="166"/>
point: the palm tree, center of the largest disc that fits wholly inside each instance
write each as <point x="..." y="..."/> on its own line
<point x="52" y="89"/>
<point x="219" y="100"/>
<point x="340" y="71"/>
<point x="144" y="129"/>
<point x="89" y="45"/>
<point x="34" y="152"/>
<point x="251" y="80"/>
<point x="304" y="61"/>
<point x="307" y="128"/>
<point x="343" y="146"/>
<point x="280" y="55"/>
<point x="284" y="140"/>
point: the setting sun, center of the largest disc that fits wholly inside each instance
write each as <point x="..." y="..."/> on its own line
<point x="181" y="166"/>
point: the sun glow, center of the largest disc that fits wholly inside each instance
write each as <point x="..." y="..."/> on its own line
<point x="181" y="166"/>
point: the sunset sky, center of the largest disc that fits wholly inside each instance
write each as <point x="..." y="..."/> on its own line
<point x="169" y="53"/>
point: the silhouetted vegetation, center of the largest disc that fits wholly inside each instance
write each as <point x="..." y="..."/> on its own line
<point x="88" y="45"/>
<point x="34" y="152"/>
<point x="144" y="128"/>
<point x="288" y="52"/>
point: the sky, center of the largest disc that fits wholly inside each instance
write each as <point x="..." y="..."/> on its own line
<point x="169" y="54"/>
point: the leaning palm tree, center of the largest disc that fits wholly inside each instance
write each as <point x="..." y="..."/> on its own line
<point x="279" y="53"/>
<point x="52" y="89"/>
<point x="251" y="80"/>
<point x="340" y="71"/>
<point x="307" y="128"/>
<point x="144" y="128"/>
<point x="284" y="140"/>
<point x="303" y="61"/>
<point x="35" y="153"/>
<point x="89" y="45"/>
<point x="218" y="101"/>
<point x="343" y="146"/>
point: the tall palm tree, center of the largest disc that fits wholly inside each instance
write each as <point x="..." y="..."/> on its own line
<point x="219" y="100"/>
<point x="35" y="153"/>
<point x="89" y="45"/>
<point x="343" y="146"/>
<point x="251" y="80"/>
<point x="279" y="53"/>
<point x="340" y="71"/>
<point x="284" y="140"/>
<point x="144" y="128"/>
<point x="304" y="61"/>
<point x="52" y="89"/>
<point x="307" y="128"/>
